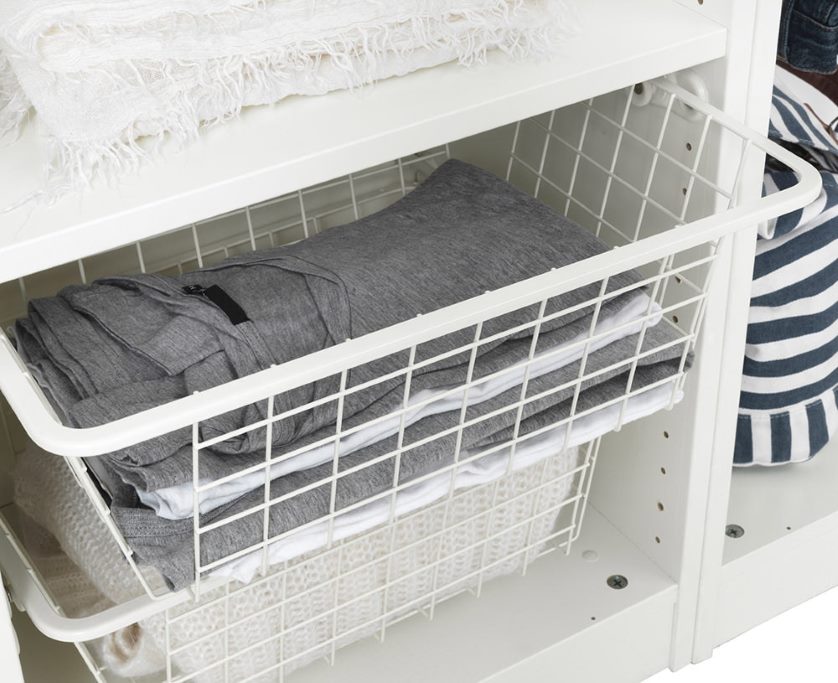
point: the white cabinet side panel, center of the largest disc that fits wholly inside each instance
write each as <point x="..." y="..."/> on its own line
<point x="752" y="102"/>
<point x="655" y="478"/>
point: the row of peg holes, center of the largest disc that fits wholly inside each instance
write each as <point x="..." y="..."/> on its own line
<point x="660" y="505"/>
<point x="678" y="278"/>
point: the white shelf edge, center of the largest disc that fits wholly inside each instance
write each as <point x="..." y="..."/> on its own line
<point x="776" y="577"/>
<point x="254" y="158"/>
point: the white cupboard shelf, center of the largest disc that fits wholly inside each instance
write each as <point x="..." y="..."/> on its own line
<point x="303" y="141"/>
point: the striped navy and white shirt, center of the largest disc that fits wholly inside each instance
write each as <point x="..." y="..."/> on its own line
<point x="789" y="401"/>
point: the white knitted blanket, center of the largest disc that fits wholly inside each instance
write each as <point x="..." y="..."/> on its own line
<point x="109" y="77"/>
<point x="380" y="575"/>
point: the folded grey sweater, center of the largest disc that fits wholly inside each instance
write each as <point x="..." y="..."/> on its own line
<point x="125" y="344"/>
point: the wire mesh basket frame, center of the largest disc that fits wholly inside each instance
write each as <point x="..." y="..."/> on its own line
<point x="27" y="401"/>
<point x="33" y="410"/>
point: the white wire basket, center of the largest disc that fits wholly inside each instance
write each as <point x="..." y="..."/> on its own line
<point x="617" y="166"/>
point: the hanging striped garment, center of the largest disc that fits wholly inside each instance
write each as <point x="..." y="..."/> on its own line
<point x="789" y="402"/>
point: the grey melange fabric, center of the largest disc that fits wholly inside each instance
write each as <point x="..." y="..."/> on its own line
<point x="125" y="344"/>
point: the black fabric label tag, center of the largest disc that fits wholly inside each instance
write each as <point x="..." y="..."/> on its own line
<point x="221" y="299"/>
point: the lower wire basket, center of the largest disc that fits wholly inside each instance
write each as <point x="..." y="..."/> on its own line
<point x="312" y="606"/>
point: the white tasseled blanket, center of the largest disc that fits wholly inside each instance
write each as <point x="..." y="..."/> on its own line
<point x="106" y="77"/>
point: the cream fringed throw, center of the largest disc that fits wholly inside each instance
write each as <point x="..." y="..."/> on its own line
<point x="14" y="104"/>
<point x="104" y="75"/>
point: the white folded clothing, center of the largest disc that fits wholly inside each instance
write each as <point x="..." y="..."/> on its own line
<point x="176" y="502"/>
<point x="102" y="76"/>
<point x="14" y="105"/>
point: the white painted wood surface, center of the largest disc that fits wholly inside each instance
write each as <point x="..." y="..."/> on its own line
<point x="777" y="573"/>
<point x="698" y="442"/>
<point x="789" y="552"/>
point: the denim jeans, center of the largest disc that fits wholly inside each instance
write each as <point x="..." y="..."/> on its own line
<point x="809" y="35"/>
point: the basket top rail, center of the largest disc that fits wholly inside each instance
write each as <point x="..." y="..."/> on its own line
<point x="45" y="429"/>
<point x="269" y="151"/>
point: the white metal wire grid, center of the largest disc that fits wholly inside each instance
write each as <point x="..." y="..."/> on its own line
<point x="688" y="304"/>
<point x="614" y="172"/>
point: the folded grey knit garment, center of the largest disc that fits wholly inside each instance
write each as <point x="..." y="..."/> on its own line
<point x="122" y="345"/>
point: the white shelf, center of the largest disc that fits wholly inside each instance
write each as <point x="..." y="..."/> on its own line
<point x="789" y="552"/>
<point x="772" y="503"/>
<point x="301" y="141"/>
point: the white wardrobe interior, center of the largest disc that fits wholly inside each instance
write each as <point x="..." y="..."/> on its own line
<point x="629" y="165"/>
<point x="596" y="161"/>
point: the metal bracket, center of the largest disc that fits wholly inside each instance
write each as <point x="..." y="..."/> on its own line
<point x="648" y="93"/>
